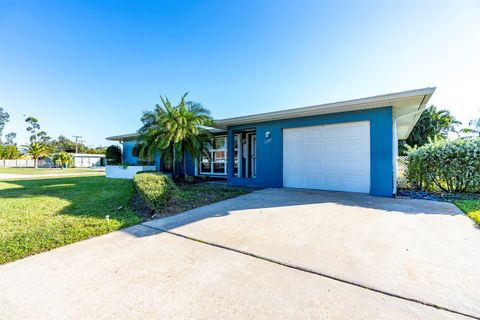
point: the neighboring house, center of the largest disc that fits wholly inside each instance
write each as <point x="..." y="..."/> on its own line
<point x="86" y="160"/>
<point x="342" y="146"/>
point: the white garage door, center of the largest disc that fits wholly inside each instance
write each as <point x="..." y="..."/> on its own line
<point x="330" y="157"/>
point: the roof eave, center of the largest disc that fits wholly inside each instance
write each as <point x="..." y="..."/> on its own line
<point x="123" y="137"/>
<point x="342" y="106"/>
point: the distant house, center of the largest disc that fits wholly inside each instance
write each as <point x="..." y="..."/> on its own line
<point x="342" y="146"/>
<point x="85" y="160"/>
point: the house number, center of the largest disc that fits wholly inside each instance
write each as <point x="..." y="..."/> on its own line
<point x="268" y="137"/>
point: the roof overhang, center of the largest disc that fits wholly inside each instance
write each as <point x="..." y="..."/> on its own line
<point x="406" y="105"/>
<point x="123" y="137"/>
<point x="134" y="136"/>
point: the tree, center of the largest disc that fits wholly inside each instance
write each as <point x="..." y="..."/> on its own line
<point x="113" y="155"/>
<point x="433" y="124"/>
<point x="39" y="141"/>
<point x="475" y="124"/>
<point x="34" y="130"/>
<point x="63" y="159"/>
<point x="37" y="149"/>
<point x="172" y="131"/>
<point x="9" y="151"/>
<point x="9" y="138"/>
<point x="63" y="143"/>
<point x="4" y="118"/>
<point x="473" y="130"/>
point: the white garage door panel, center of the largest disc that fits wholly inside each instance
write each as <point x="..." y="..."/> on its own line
<point x="331" y="157"/>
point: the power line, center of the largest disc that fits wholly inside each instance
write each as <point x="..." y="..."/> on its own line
<point x="76" y="142"/>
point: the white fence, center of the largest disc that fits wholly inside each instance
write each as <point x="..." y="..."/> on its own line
<point x="22" y="163"/>
<point x="125" y="172"/>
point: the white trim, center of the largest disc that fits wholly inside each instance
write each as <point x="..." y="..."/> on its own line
<point x="212" y="163"/>
<point x="128" y="136"/>
<point x="251" y="158"/>
<point x="238" y="138"/>
<point x="247" y="157"/>
<point x="399" y="100"/>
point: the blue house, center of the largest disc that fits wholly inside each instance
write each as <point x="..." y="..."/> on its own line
<point x="342" y="146"/>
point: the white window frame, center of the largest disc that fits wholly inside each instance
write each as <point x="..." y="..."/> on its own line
<point x="212" y="163"/>
<point x="238" y="139"/>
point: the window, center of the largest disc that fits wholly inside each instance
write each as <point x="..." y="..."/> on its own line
<point x="217" y="164"/>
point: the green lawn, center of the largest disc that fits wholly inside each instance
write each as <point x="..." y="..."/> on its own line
<point x="471" y="208"/>
<point x="41" y="214"/>
<point x="43" y="170"/>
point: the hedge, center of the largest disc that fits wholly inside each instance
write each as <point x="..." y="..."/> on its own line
<point x="451" y="166"/>
<point x="155" y="190"/>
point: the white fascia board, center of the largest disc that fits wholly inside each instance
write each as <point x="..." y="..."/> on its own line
<point x="122" y="137"/>
<point x="132" y="136"/>
<point x="342" y="106"/>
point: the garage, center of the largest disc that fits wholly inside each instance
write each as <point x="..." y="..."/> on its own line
<point x="328" y="157"/>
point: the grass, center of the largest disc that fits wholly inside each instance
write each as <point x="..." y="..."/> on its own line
<point x="41" y="214"/>
<point x="196" y="195"/>
<point x="471" y="208"/>
<point x="10" y="170"/>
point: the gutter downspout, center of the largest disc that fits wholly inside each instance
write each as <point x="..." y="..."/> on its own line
<point x="395" y="145"/>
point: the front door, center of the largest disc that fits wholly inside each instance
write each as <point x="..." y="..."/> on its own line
<point x="253" y="155"/>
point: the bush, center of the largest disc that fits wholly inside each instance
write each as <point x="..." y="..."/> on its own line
<point x="63" y="159"/>
<point x="9" y="152"/>
<point x="451" y="166"/>
<point x="155" y="190"/>
<point x="113" y="155"/>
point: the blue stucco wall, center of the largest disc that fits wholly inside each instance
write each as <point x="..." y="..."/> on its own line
<point x="127" y="157"/>
<point x="270" y="155"/>
<point x="127" y="152"/>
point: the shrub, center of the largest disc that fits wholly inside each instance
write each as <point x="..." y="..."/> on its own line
<point x="155" y="190"/>
<point x="63" y="159"/>
<point x="9" y="152"/>
<point x="113" y="155"/>
<point x="451" y="166"/>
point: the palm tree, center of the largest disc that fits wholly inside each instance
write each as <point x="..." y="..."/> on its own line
<point x="172" y="131"/>
<point x="432" y="124"/>
<point x="63" y="159"/>
<point x="37" y="150"/>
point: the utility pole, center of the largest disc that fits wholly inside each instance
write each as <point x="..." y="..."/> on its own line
<point x="76" y="142"/>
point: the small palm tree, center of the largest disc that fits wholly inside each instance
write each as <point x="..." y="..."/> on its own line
<point x="37" y="150"/>
<point x="63" y="159"/>
<point x="173" y="131"/>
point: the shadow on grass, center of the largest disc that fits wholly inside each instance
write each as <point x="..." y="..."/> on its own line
<point x="87" y="195"/>
<point x="42" y="214"/>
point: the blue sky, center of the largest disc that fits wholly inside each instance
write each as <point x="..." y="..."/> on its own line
<point x="91" y="67"/>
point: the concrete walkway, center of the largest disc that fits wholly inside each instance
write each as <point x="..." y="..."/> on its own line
<point x="417" y="249"/>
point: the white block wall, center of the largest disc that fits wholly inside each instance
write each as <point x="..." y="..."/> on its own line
<point x="126" y="173"/>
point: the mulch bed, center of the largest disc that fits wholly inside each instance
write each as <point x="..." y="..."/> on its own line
<point x="436" y="196"/>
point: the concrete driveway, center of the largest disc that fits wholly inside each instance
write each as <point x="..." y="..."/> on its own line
<point x="274" y="253"/>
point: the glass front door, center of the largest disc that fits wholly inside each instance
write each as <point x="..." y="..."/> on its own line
<point x="253" y="155"/>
